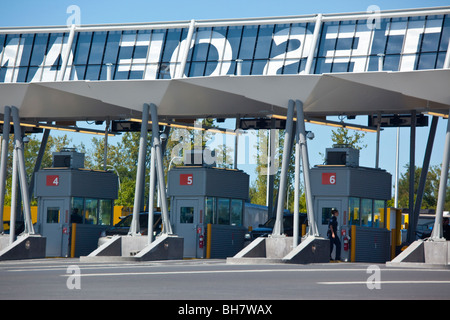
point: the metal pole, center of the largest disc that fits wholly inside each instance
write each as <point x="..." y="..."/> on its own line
<point x="140" y="178"/>
<point x="270" y="168"/>
<point x="313" y="231"/>
<point x="380" y="61"/>
<point x="397" y="159"/>
<point x="236" y="142"/>
<point x="437" y="233"/>
<point x="423" y="174"/>
<point x="22" y="173"/>
<point x="4" y="160"/>
<point x="40" y="156"/>
<point x="412" y="168"/>
<point x="184" y="57"/>
<point x="105" y="148"/>
<point x="296" y="182"/>
<point x="312" y="50"/>
<point x="12" y="218"/>
<point x="167" y="228"/>
<point x="278" y="227"/>
<point x="377" y="153"/>
<point x="151" y="196"/>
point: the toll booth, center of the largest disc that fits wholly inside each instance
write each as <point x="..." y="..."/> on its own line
<point x="360" y="195"/>
<point x="207" y="201"/>
<point x="74" y="204"/>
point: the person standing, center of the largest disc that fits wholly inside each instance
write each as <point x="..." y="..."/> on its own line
<point x="333" y="234"/>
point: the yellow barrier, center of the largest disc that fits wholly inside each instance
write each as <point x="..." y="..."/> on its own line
<point x="208" y="241"/>
<point x="353" y="245"/>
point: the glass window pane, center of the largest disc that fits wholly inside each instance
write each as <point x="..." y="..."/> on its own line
<point x="233" y="40"/>
<point x="27" y="42"/>
<point x="82" y="49"/>
<point x="53" y="215"/>
<point x="366" y="213"/>
<point x="202" y="43"/>
<point x="91" y="213"/>
<point x="112" y="47"/>
<point x="187" y="215"/>
<point x="173" y="37"/>
<point x="105" y="215"/>
<point x="77" y="206"/>
<point x="379" y="213"/>
<point x="92" y="72"/>
<point x="264" y="42"/>
<point x="353" y="211"/>
<point x="248" y="42"/>
<point x="97" y="47"/>
<point x="223" y="211"/>
<point x="427" y="61"/>
<point x="210" y="210"/>
<point x="236" y="212"/>
<point x="39" y="47"/>
<point x="445" y="34"/>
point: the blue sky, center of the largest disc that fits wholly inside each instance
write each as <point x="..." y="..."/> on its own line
<point x="47" y="13"/>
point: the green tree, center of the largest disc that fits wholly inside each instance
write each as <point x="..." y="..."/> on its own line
<point x="342" y="136"/>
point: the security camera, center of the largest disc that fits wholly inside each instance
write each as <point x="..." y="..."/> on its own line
<point x="163" y="137"/>
<point x="310" y="135"/>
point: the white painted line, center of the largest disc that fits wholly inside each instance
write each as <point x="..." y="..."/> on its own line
<point x="387" y="282"/>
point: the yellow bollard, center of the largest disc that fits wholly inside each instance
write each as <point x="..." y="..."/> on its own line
<point x="353" y="245"/>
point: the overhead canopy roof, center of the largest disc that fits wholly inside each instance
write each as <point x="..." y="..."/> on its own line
<point x="228" y="96"/>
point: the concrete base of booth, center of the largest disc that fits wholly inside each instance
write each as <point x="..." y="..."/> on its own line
<point x="279" y="250"/>
<point x="424" y="254"/>
<point x="25" y="247"/>
<point x="136" y="248"/>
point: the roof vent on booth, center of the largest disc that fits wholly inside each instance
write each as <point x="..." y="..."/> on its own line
<point x="68" y="158"/>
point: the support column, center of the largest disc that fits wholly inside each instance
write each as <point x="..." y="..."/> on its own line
<point x="437" y="233"/>
<point x="412" y="166"/>
<point x="313" y="231"/>
<point x="423" y="174"/>
<point x="22" y="173"/>
<point x="13" y="213"/>
<point x="271" y="168"/>
<point x="167" y="228"/>
<point x="151" y="196"/>
<point x="296" y="232"/>
<point x="4" y="160"/>
<point x="278" y="227"/>
<point x="38" y="163"/>
<point x="140" y="178"/>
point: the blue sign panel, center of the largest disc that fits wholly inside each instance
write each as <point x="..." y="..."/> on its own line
<point x="407" y="43"/>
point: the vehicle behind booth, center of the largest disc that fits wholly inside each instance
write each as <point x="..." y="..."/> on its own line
<point x="288" y="226"/>
<point x="123" y="226"/>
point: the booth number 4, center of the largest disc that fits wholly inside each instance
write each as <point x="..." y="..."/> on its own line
<point x="329" y="178"/>
<point x="52" y="181"/>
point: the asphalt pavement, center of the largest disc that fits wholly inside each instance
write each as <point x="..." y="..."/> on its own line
<point x="188" y="280"/>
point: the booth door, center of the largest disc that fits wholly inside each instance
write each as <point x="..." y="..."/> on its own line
<point x="186" y="225"/>
<point x="324" y="214"/>
<point x="52" y="226"/>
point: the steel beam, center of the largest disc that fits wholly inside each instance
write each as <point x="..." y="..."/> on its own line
<point x="4" y="160"/>
<point x="22" y="172"/>
<point x="140" y="174"/>
<point x="278" y="227"/>
<point x="437" y="233"/>
<point x="167" y="228"/>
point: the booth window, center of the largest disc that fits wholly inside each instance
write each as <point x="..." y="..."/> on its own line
<point x="53" y="215"/>
<point x="210" y="210"/>
<point x="236" y="212"/>
<point x="366" y="212"/>
<point x="379" y="211"/>
<point x="187" y="215"/>
<point x="76" y="215"/>
<point x="353" y="211"/>
<point x="326" y="215"/>
<point x="105" y="212"/>
<point x="91" y="211"/>
<point x="223" y="210"/>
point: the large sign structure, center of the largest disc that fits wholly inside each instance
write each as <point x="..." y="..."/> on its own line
<point x="409" y="40"/>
